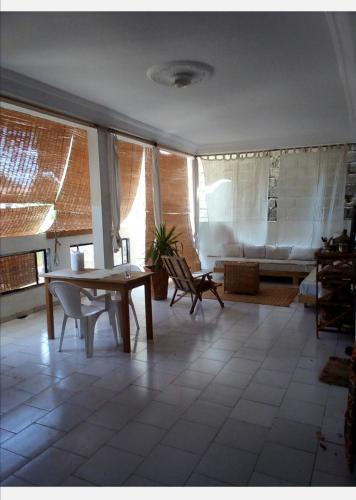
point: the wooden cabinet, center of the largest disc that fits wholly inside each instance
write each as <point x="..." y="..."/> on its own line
<point x="335" y="291"/>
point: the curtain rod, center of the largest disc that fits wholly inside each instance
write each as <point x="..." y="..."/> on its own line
<point x="272" y="150"/>
<point x="43" y="109"/>
<point x="75" y="119"/>
<point x="147" y="141"/>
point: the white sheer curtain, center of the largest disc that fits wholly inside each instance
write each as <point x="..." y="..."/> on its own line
<point x="109" y="153"/>
<point x="216" y="194"/>
<point x="250" y="199"/>
<point x="311" y="191"/>
<point x="115" y="189"/>
<point x="236" y="194"/>
<point x="234" y="199"/>
<point x="329" y="214"/>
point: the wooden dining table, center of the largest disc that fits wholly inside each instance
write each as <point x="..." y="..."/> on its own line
<point x="110" y="280"/>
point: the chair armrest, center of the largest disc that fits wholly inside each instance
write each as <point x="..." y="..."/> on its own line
<point x="87" y="294"/>
<point x="200" y="274"/>
<point x="104" y="296"/>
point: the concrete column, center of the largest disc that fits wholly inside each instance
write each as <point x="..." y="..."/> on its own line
<point x="100" y="199"/>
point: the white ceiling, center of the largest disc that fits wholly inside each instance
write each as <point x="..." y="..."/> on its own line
<point x="281" y="79"/>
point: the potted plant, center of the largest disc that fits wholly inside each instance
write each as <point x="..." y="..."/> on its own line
<point x="165" y="242"/>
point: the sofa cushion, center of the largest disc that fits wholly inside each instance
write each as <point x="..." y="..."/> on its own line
<point x="271" y="265"/>
<point x="287" y="265"/>
<point x="299" y="253"/>
<point x="254" y="252"/>
<point x="280" y="253"/>
<point x="233" y="250"/>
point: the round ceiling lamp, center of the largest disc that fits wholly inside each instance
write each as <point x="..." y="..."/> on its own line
<point x="179" y="74"/>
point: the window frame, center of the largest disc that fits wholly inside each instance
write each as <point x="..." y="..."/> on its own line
<point x="45" y="252"/>
<point x="127" y="246"/>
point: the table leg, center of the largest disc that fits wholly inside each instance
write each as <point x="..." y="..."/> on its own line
<point x="125" y="320"/>
<point x="49" y="308"/>
<point x="148" y="306"/>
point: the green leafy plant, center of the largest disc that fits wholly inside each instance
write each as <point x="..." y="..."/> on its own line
<point x="164" y="243"/>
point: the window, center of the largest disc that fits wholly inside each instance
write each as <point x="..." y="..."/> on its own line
<point x="22" y="270"/>
<point x="274" y="181"/>
<point x="120" y="257"/>
<point x="176" y="205"/>
<point x="88" y="250"/>
<point x="132" y="158"/>
<point x="123" y="255"/>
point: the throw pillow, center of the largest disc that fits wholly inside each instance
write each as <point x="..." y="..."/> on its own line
<point x="233" y="250"/>
<point x="299" y="253"/>
<point x="254" y="252"/>
<point x="278" y="253"/>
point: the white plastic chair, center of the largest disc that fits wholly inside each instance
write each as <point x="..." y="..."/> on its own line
<point x="69" y="296"/>
<point x="116" y="296"/>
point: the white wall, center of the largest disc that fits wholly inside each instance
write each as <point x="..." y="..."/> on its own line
<point x="26" y="301"/>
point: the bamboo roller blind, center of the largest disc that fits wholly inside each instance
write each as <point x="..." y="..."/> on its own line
<point x="130" y="159"/>
<point x="34" y="153"/>
<point x="17" y="271"/>
<point x="175" y="203"/>
<point x="150" y="224"/>
<point x="33" y="156"/>
<point x="73" y="204"/>
<point x="22" y="221"/>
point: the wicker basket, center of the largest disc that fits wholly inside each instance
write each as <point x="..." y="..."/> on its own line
<point x="241" y="277"/>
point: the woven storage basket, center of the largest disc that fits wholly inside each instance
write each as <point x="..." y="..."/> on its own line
<point x="241" y="277"/>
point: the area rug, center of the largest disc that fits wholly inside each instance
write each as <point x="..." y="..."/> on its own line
<point x="336" y="372"/>
<point x="269" y="294"/>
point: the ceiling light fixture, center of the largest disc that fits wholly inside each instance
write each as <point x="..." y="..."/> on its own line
<point x="182" y="80"/>
<point x="180" y="74"/>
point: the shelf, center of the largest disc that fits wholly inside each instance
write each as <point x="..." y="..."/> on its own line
<point x="334" y="304"/>
<point x="336" y="273"/>
<point x="334" y="255"/>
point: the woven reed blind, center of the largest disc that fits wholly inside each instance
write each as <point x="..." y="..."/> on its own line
<point x="150" y="224"/>
<point x="175" y="203"/>
<point x="73" y="203"/>
<point x="17" y="271"/>
<point x="130" y="158"/>
<point x="22" y="221"/>
<point x="34" y="154"/>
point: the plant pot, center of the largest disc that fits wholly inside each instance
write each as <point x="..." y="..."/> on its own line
<point x="159" y="284"/>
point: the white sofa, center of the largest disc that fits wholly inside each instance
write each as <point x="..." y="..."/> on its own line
<point x="286" y="261"/>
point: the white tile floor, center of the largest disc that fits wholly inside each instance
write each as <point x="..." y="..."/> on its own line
<point x="222" y="398"/>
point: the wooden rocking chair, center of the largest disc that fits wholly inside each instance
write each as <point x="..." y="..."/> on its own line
<point x="184" y="281"/>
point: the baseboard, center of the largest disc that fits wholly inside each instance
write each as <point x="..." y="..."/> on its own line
<point x="20" y="314"/>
